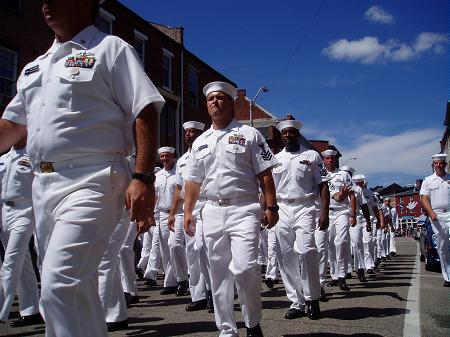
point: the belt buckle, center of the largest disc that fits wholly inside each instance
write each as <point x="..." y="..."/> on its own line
<point x="291" y="201"/>
<point x="223" y="202"/>
<point x="10" y="203"/>
<point x="46" y="167"/>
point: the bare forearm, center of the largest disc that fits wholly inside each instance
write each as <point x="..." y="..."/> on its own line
<point x="325" y="196"/>
<point x="426" y="204"/>
<point x="267" y="187"/>
<point x="353" y="204"/>
<point x="366" y="213"/>
<point x="145" y="129"/>
<point x="177" y="200"/>
<point x="10" y="134"/>
<point x="192" y="191"/>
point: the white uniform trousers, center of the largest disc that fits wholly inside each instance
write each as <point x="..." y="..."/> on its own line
<point x="126" y="260"/>
<point x="386" y="241"/>
<point x="297" y="227"/>
<point x="109" y="280"/>
<point x="154" y="260"/>
<point x="262" y="251"/>
<point x="232" y="240"/>
<point x="200" y="247"/>
<point x="392" y="248"/>
<point x="441" y="230"/>
<point x="369" y="261"/>
<point x="177" y="246"/>
<point x="146" y="241"/>
<point x="381" y="251"/>
<point x="17" y="273"/>
<point x="76" y="209"/>
<point x="356" y="237"/>
<point x="197" y="285"/>
<point x="272" y="264"/>
<point x="321" y="237"/>
<point x="167" y="261"/>
<point x="338" y="243"/>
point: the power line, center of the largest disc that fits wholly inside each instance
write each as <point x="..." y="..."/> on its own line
<point x="274" y="83"/>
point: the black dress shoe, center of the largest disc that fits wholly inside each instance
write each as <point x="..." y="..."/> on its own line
<point x="323" y="295"/>
<point x="263" y="269"/>
<point x="361" y="276"/>
<point x="333" y="283"/>
<point x="383" y="259"/>
<point x="197" y="305"/>
<point x="348" y="276"/>
<point x="116" y="326"/>
<point x="168" y="290"/>
<point x="342" y="284"/>
<point x="294" y="313"/>
<point x="209" y="302"/>
<point x="392" y="253"/>
<point x="255" y="331"/>
<point x="150" y="282"/>
<point x="377" y="262"/>
<point x="269" y="283"/>
<point x="446" y="284"/>
<point x="370" y="271"/>
<point x="183" y="286"/>
<point x="139" y="273"/>
<point x="27" y="320"/>
<point x="313" y="309"/>
<point x="131" y="299"/>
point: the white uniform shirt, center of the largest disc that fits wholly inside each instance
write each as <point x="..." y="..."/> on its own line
<point x="297" y="174"/>
<point x="227" y="161"/>
<point x="339" y="179"/>
<point x="81" y="97"/>
<point x="438" y="190"/>
<point x="372" y="201"/>
<point x="17" y="176"/>
<point x="165" y="185"/>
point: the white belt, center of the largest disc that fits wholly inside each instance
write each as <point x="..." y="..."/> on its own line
<point x="293" y="201"/>
<point x="223" y="202"/>
<point x="49" y="167"/>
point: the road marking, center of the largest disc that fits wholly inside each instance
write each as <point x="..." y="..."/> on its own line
<point x="412" y="318"/>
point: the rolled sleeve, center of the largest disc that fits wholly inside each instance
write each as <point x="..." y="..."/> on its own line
<point x="131" y="86"/>
<point x="262" y="156"/>
<point x="192" y="172"/>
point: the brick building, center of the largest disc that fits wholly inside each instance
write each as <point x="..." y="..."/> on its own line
<point x="178" y="74"/>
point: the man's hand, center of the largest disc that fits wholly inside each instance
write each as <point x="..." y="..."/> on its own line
<point x="271" y="219"/>
<point x="140" y="202"/>
<point x="171" y="222"/>
<point x="189" y="224"/>
<point x="324" y="222"/>
<point x="353" y="221"/>
<point x="433" y="216"/>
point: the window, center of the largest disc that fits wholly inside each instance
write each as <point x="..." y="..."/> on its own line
<point x="8" y="68"/>
<point x="139" y="44"/>
<point x="104" y="21"/>
<point x="15" y="5"/>
<point x="193" y="88"/>
<point x="167" y="69"/>
<point x="167" y="126"/>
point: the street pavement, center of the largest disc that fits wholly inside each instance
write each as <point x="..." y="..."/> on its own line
<point x="380" y="307"/>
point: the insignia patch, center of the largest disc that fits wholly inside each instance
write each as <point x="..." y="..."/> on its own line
<point x="306" y="162"/>
<point x="32" y="70"/>
<point x="182" y="165"/>
<point x="24" y="162"/>
<point x="265" y="154"/>
<point x="81" y="60"/>
<point x="201" y="147"/>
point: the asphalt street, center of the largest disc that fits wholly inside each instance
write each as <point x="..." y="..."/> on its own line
<point x="401" y="300"/>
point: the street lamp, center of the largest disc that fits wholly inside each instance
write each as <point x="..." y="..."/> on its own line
<point x="252" y="102"/>
<point x="351" y="158"/>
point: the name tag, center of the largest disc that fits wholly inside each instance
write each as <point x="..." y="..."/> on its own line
<point x="32" y="70"/>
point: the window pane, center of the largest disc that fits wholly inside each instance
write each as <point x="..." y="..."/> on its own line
<point x="167" y="65"/>
<point x="12" y="4"/>
<point x="8" y="68"/>
<point x="103" y="25"/>
<point x="193" y="88"/>
<point x="139" y="45"/>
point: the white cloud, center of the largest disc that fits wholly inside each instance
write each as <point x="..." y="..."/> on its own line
<point x="369" y="50"/>
<point x="378" y="15"/>
<point x="407" y="152"/>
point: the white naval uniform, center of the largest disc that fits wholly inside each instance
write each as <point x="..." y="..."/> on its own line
<point x="272" y="264"/>
<point x="370" y="238"/>
<point x="17" y="271"/>
<point x="297" y="177"/>
<point x="322" y="242"/>
<point x="78" y="102"/>
<point x="172" y="255"/>
<point x="357" y="231"/>
<point x="226" y="163"/>
<point x="394" y="218"/>
<point x="339" y="236"/>
<point x="127" y="260"/>
<point x="438" y="190"/>
<point x="197" y="285"/>
<point x="383" y="234"/>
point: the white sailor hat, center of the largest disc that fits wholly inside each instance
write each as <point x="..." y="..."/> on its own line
<point x="156" y="169"/>
<point x="224" y="87"/>
<point x="166" y="149"/>
<point x="289" y="123"/>
<point x="193" y="125"/>
<point x="328" y="152"/>
<point x="348" y="169"/>
<point x="357" y="178"/>
<point x="386" y="199"/>
<point x="439" y="157"/>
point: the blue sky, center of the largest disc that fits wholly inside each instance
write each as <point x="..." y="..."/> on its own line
<point x="370" y="76"/>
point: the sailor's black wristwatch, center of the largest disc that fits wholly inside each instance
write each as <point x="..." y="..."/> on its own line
<point x="273" y="208"/>
<point x="146" y="178"/>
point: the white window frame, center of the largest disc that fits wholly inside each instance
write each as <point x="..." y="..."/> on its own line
<point x="141" y="38"/>
<point x="107" y="16"/>
<point x="14" y="75"/>
<point x="169" y="54"/>
<point x="193" y="69"/>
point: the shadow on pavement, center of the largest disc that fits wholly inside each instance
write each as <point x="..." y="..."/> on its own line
<point x="171" y="329"/>
<point x="362" y="312"/>
<point x="325" y="334"/>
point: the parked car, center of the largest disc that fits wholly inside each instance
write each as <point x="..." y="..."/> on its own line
<point x="427" y="239"/>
